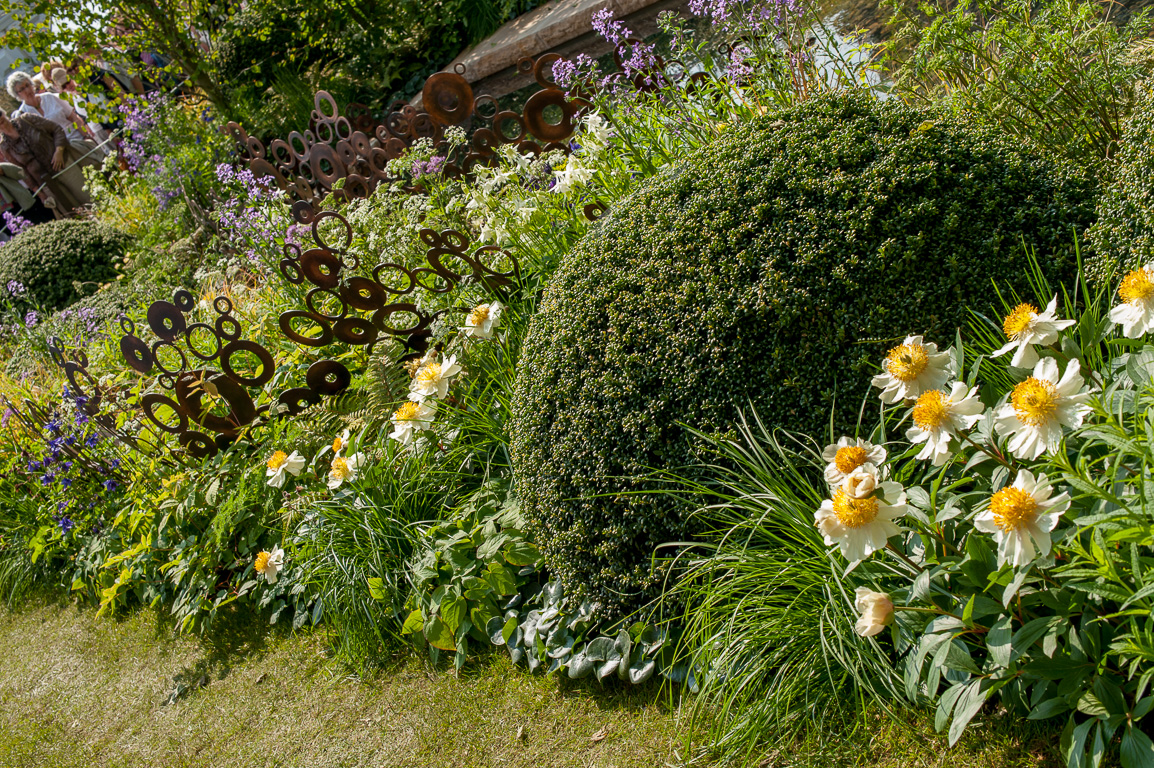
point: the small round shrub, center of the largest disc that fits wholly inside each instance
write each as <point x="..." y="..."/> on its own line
<point x="773" y="268"/>
<point x="1123" y="236"/>
<point x="51" y="259"/>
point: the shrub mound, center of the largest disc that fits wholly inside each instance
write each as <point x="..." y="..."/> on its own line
<point x="1123" y="236"/>
<point x="773" y="268"/>
<point x="49" y="259"/>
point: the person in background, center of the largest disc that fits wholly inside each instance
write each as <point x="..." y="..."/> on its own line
<point x="68" y="91"/>
<point x="41" y="148"/>
<point x="54" y="108"/>
<point x="15" y="197"/>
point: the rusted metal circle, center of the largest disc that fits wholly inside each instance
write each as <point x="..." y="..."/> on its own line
<point x="328" y="377"/>
<point x="529" y="148"/>
<point x="297" y="399"/>
<point x="198" y="445"/>
<point x="322" y="155"/>
<point x="136" y="353"/>
<point x="127" y="325"/>
<point x="364" y="294"/>
<point x="394" y="148"/>
<point x="290" y="269"/>
<point x="377" y="270"/>
<point x="229" y="322"/>
<point x="303" y="212"/>
<point x="543" y="70"/>
<point x="255" y="148"/>
<point x="525" y="65"/>
<point x="355" y="330"/>
<point x="150" y="402"/>
<point x="169" y="345"/>
<point x="423" y="127"/>
<point x="594" y="211"/>
<point x="397" y="125"/>
<point x="192" y="347"/>
<point x="454" y="240"/>
<point x="283" y="154"/>
<point x="183" y="299"/>
<point x="262" y="169"/>
<point x="166" y="320"/>
<point x="500" y="123"/>
<point x="485" y="107"/>
<point x="299" y="146"/>
<point x="325" y="216"/>
<point x="485" y="141"/>
<point x="222" y="305"/>
<point x="91" y="391"/>
<point x="326" y="106"/>
<point x="384" y="316"/>
<point x="244" y="345"/>
<point x="343" y="128"/>
<point x="286" y="327"/>
<point x="379" y="163"/>
<point x="56" y="350"/>
<point x="346" y="153"/>
<point x="535" y="120"/>
<point x="312" y="298"/>
<point x="448" y="98"/>
<point x="357" y="186"/>
<point x="326" y="133"/>
<point x="321" y="267"/>
<point x="360" y="143"/>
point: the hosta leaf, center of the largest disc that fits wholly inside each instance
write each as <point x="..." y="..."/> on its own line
<point x="439" y="635"/>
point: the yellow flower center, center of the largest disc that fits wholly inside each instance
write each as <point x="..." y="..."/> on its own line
<point x="277" y="461"/>
<point x="1019" y="320"/>
<point x="906" y="363"/>
<point x="854" y="513"/>
<point x="479" y="314"/>
<point x="1013" y="509"/>
<point x="849" y="458"/>
<point x="429" y="374"/>
<point x="1136" y="286"/>
<point x="338" y="444"/>
<point x="261" y="564"/>
<point x="406" y="412"/>
<point x="932" y="410"/>
<point x="1034" y="401"/>
<point x="340" y="469"/>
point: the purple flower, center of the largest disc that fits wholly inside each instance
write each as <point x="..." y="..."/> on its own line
<point x="66" y="524"/>
<point x="16" y="288"/>
<point x="109" y="485"/>
<point x="15" y="224"/>
<point x="6" y="417"/>
<point x="48" y="479"/>
<point x="31" y="319"/>
<point x="34" y="466"/>
<point x="613" y="31"/>
<point x="739" y="69"/>
<point x="65" y="482"/>
<point x="92" y="441"/>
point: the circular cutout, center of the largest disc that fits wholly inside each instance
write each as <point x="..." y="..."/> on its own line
<point x="201" y="329"/>
<point x="343" y="128"/>
<point x="286" y="326"/>
<point x="198" y="444"/>
<point x="184" y="300"/>
<point x="509" y="126"/>
<point x="222" y="305"/>
<point x="485" y="141"/>
<point x="149" y="405"/>
<point x="325" y="165"/>
<point x="166" y="320"/>
<point x="291" y="271"/>
<point x="317" y="295"/>
<point x="355" y="330"/>
<point x="165" y="346"/>
<point x="535" y="122"/>
<point x="322" y="220"/>
<point x="321" y="267"/>
<point x="328" y="377"/>
<point x="448" y="98"/>
<point x="229" y="322"/>
<point x="364" y="294"/>
<point x="297" y="400"/>
<point x="486" y="107"/>
<point x="387" y="286"/>
<point x="326" y="105"/>
<point x="262" y="354"/>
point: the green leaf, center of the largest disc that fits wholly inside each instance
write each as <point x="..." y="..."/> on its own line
<point x="1030" y="633"/>
<point x="492" y="546"/>
<point x="1048" y="708"/>
<point x="522" y="553"/>
<point x="415" y="622"/>
<point x="439" y="635"/>
<point x="377" y="589"/>
<point x="998" y="641"/>
<point x="453" y="612"/>
<point x="499" y="578"/>
<point x="946" y="705"/>
<point x="968" y="705"/>
<point x="1137" y="749"/>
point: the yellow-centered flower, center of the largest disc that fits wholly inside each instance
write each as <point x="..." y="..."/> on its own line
<point x="1021" y="517"/>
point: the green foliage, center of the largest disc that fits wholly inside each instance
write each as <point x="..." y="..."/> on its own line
<point x="60" y="261"/>
<point x="1123" y="236"/>
<point x="1057" y="74"/>
<point x="760" y="271"/>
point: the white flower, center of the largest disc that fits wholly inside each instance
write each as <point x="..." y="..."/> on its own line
<point x="279" y="464"/>
<point x="341" y="442"/>
<point x="911" y="368"/>
<point x="1024" y="328"/>
<point x="432" y="379"/>
<point x="344" y="469"/>
<point x="876" y="609"/>
<point x="412" y="417"/>
<point x="938" y="416"/>
<point x="846" y="455"/>
<point x="575" y="174"/>
<point x="483" y="320"/>
<point x="269" y="564"/>
<point x="861" y="526"/>
<point x="861" y="482"/>
<point x="1021" y="517"/>
<point x="1039" y="407"/>
<point x="596" y="129"/>
<point x="1136" y="312"/>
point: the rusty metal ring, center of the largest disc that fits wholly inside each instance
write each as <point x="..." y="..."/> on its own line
<point x="310" y="297"/>
<point x="126" y="324"/>
<point x="234" y="331"/>
<point x="222" y="305"/>
<point x="322" y="99"/>
<point x="166" y="320"/>
<point x="255" y="148"/>
<point x="184" y="300"/>
<point x="328" y="377"/>
<point x="343" y="128"/>
<point x="136" y="353"/>
<point x="355" y="330"/>
<point x="283" y="154"/>
<point x="398" y="268"/>
<point x="325" y="216"/>
<point x="364" y="294"/>
<point x="485" y="107"/>
<point x="303" y="212"/>
<point x="357" y="186"/>
<point x="297" y="399"/>
<point x="525" y="65"/>
<point x="314" y="263"/>
<point x="384" y="314"/>
<point x="268" y="366"/>
<point x="536" y="123"/>
<point x="485" y="141"/>
<point x="198" y="444"/>
<point x="543" y="70"/>
<point x="448" y="98"/>
<point x="169" y="345"/>
<point x="346" y="153"/>
<point x="192" y="346"/>
<point x="149" y="402"/>
<point x="285" y="323"/>
<point x="501" y="119"/>
<point x="321" y="154"/>
<point x="291" y="271"/>
<point x="326" y="134"/>
<point x="302" y="154"/>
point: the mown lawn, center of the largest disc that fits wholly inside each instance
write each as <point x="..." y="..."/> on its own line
<point x="80" y="691"/>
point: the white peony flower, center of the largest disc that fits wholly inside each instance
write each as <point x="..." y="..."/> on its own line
<point x="410" y="418"/>
<point x="938" y="416"/>
<point x="344" y="469"/>
<point x="861" y="526"/>
<point x="269" y="564"/>
<point x="1024" y="328"/>
<point x="341" y="442"/>
<point x="846" y="455"/>
<point x="876" y="609"/>
<point x="1021" y="517"/>
<point x="281" y="463"/>
<point x="1040" y="406"/>
<point x="483" y="320"/>
<point x="912" y="368"/>
<point x="861" y="482"/>
<point x="432" y="379"/>
<point x="1136" y="312"/>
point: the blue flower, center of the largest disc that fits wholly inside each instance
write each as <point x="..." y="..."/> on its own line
<point x="115" y="463"/>
<point x="48" y="479"/>
<point x="65" y="482"/>
<point x="66" y="524"/>
<point x="110" y="485"/>
<point x="34" y="466"/>
<point x="92" y="441"/>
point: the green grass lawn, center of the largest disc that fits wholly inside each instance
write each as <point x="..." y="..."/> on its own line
<point x="77" y="690"/>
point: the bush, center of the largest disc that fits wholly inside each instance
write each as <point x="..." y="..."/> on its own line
<point x="768" y="269"/>
<point x="51" y="259"/>
<point x="1124" y="232"/>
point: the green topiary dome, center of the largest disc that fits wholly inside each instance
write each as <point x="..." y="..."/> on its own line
<point x="773" y="268"/>
<point x="50" y="259"/>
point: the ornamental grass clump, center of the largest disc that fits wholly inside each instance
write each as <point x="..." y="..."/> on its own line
<point x="764" y="270"/>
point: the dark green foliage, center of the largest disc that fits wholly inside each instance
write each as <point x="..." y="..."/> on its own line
<point x="773" y="268"/>
<point x="50" y="259"/>
<point x="1123" y="236"/>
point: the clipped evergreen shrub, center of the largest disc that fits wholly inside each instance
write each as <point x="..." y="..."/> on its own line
<point x="1123" y="236"/>
<point x="51" y="259"/>
<point x="774" y="268"/>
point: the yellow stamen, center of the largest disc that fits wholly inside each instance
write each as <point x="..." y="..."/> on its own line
<point x="340" y="469"/>
<point x="932" y="410"/>
<point x="479" y="314"/>
<point x="1019" y="320"/>
<point x="261" y="564"/>
<point x="429" y="374"/>
<point x="854" y="513"/>
<point x="1034" y="401"/>
<point x="338" y="444"/>
<point x="277" y="461"/>
<point x="1136" y="286"/>
<point x="407" y="412"/>
<point x="1013" y="509"/>
<point x="849" y="458"/>
<point x="906" y="363"/>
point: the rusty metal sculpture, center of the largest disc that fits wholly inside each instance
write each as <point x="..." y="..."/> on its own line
<point x="357" y="148"/>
